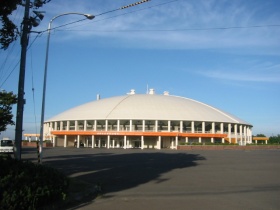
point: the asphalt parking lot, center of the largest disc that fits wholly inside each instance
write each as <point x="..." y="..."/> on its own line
<point x="169" y="179"/>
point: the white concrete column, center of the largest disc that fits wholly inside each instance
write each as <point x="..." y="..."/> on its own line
<point x="142" y="142"/>
<point x="54" y="141"/>
<point x="78" y="141"/>
<point x="99" y="143"/>
<point x="241" y="134"/>
<point x="124" y="143"/>
<point x="65" y="141"/>
<point x="176" y="142"/>
<point x="55" y="126"/>
<point x="143" y="126"/>
<point x="76" y="125"/>
<point x="95" y="125"/>
<point x="212" y="140"/>
<point x="203" y="127"/>
<point x="118" y="143"/>
<point x="249" y="135"/>
<point x="199" y="139"/>
<point x="235" y="133"/>
<point x="245" y="134"/>
<point x="159" y="143"/>
<point x="92" y="141"/>
<point x="106" y="125"/>
<point x="187" y="139"/>
<point x="223" y="140"/>
<point x="172" y="143"/>
<point x="129" y="143"/>
<point x="169" y="126"/>
<point x="61" y="126"/>
<point x="222" y="128"/>
<point x="181" y="126"/>
<point x="213" y="128"/>
<point x="229" y="133"/>
<point x="67" y="125"/>
<point x="156" y="126"/>
<point x="118" y="125"/>
<point x="192" y="126"/>
<point x="108" y="141"/>
<point x="130" y="125"/>
<point x="85" y="125"/>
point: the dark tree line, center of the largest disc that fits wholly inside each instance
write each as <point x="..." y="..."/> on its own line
<point x="274" y="139"/>
<point x="7" y="100"/>
<point x="9" y="31"/>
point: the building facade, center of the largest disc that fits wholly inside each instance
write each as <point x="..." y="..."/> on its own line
<point x="145" y="121"/>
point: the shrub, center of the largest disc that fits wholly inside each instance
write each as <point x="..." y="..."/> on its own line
<point x="25" y="185"/>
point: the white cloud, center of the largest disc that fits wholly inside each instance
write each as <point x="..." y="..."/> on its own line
<point x="240" y="76"/>
<point x="257" y="71"/>
<point x="149" y="26"/>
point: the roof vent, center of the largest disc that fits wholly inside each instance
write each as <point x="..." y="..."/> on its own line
<point x="152" y="92"/>
<point x="166" y="93"/>
<point x="132" y="92"/>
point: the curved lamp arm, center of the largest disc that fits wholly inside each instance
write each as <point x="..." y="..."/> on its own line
<point x="88" y="16"/>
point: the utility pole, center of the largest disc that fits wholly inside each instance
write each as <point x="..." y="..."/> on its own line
<point x="21" y="101"/>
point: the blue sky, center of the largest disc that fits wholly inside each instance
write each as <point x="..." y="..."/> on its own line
<point x="223" y="53"/>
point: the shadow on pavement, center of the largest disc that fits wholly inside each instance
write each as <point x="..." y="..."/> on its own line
<point x="117" y="171"/>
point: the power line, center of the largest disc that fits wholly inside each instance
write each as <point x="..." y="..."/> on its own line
<point x="15" y="19"/>
<point x="124" y="7"/>
<point x="121" y="8"/>
<point x="16" y="65"/>
<point x="33" y="92"/>
<point x="41" y="32"/>
<point x="183" y="29"/>
<point x="134" y="11"/>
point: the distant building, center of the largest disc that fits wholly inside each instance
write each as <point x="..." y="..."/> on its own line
<point x="261" y="140"/>
<point x="145" y="121"/>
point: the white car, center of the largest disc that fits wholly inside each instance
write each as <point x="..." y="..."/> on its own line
<point x="6" y="146"/>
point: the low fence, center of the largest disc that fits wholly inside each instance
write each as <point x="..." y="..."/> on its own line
<point x="229" y="147"/>
<point x="34" y="144"/>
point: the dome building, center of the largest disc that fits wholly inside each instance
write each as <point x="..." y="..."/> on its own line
<point x="145" y="121"/>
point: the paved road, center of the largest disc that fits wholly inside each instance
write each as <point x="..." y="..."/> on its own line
<point x="168" y="179"/>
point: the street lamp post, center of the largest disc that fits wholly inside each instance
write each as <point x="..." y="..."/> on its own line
<point x="88" y="16"/>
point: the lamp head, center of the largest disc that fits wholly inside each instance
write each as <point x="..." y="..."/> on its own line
<point x="38" y="3"/>
<point x="35" y="21"/>
<point x="89" y="16"/>
<point x="39" y="14"/>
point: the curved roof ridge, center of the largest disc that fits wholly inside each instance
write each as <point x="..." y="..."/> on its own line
<point x="216" y="109"/>
<point x="117" y="105"/>
<point x="147" y="106"/>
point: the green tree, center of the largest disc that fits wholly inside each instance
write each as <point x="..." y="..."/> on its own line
<point x="9" y="32"/>
<point x="274" y="139"/>
<point x="7" y="99"/>
<point x="260" y="135"/>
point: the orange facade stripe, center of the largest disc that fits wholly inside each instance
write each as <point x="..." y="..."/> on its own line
<point x="260" y="138"/>
<point x="31" y="134"/>
<point x="140" y="133"/>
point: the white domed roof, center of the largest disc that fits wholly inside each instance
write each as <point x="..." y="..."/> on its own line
<point x="147" y="107"/>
